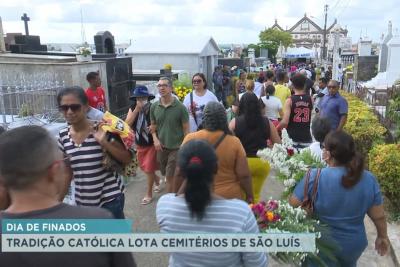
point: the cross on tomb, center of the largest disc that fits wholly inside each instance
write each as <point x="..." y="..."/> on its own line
<point x="25" y="18"/>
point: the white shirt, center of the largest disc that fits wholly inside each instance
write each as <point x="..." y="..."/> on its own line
<point x="315" y="149"/>
<point x="272" y="107"/>
<point x="258" y="87"/>
<point x="199" y="102"/>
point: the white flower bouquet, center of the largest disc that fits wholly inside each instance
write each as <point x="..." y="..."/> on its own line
<point x="289" y="164"/>
<point x="84" y="51"/>
<point x="277" y="216"/>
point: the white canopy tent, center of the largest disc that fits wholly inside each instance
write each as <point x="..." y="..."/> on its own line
<point x="298" y="52"/>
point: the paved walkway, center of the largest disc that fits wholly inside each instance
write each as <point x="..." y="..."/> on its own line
<point x="145" y="221"/>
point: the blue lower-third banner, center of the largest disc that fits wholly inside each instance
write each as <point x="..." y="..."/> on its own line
<point x="159" y="242"/>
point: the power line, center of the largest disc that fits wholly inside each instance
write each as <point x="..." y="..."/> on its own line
<point x="336" y="5"/>
<point x="344" y="8"/>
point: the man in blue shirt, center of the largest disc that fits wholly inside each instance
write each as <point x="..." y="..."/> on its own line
<point x="322" y="91"/>
<point x="334" y="107"/>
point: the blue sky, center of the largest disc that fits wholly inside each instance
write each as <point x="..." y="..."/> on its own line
<point x="228" y="21"/>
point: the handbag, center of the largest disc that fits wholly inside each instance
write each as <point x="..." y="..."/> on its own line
<point x="131" y="167"/>
<point x="308" y="203"/>
<point x="114" y="165"/>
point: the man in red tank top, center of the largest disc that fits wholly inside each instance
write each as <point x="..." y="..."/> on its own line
<point x="95" y="92"/>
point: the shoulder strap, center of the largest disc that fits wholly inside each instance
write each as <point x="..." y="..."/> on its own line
<point x="219" y="141"/>
<point x="306" y="183"/>
<point x="192" y="109"/>
<point x="315" y="186"/>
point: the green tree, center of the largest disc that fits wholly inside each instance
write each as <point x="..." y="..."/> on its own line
<point x="256" y="48"/>
<point x="272" y="38"/>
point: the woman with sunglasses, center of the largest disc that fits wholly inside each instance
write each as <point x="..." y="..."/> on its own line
<point x="197" y="100"/>
<point x="85" y="144"/>
<point x="345" y="194"/>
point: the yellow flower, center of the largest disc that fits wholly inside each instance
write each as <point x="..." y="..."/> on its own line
<point x="269" y="215"/>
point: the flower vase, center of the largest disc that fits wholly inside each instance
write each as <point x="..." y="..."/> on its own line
<point x="83" y="58"/>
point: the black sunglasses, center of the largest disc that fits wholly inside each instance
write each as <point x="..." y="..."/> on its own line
<point x="73" y="107"/>
<point x="197" y="81"/>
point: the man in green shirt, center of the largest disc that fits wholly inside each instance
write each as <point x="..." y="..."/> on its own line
<point x="169" y="124"/>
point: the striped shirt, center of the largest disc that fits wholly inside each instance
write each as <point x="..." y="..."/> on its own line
<point x="94" y="185"/>
<point x="221" y="216"/>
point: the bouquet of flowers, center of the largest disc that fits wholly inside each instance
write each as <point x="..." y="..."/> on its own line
<point x="182" y="91"/>
<point x="277" y="216"/>
<point x="289" y="164"/>
<point x="84" y="51"/>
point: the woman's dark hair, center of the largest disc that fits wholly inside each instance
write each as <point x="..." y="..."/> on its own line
<point x="342" y="148"/>
<point x="214" y="117"/>
<point x="280" y="76"/>
<point x="261" y="78"/>
<point x="249" y="107"/>
<point x="298" y="81"/>
<point x="197" y="162"/>
<point x="270" y="90"/>
<point x="75" y="90"/>
<point x="203" y="77"/>
<point x="320" y="128"/>
<point x="269" y="74"/>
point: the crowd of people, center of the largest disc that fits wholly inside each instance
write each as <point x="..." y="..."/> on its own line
<point x="207" y="158"/>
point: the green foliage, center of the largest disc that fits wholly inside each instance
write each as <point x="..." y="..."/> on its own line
<point x="25" y="110"/>
<point x="393" y="113"/>
<point x="272" y="38"/>
<point x="363" y="124"/>
<point x="256" y="48"/>
<point x="384" y="162"/>
<point x="184" y="80"/>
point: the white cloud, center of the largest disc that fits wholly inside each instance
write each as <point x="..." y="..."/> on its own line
<point x="236" y="21"/>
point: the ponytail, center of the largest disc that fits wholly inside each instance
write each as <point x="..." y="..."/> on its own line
<point x="270" y="90"/>
<point x="197" y="162"/>
<point x="197" y="192"/>
<point x="354" y="171"/>
<point x="342" y="148"/>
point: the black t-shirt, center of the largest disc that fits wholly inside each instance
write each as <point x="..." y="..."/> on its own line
<point x="309" y="87"/>
<point x="252" y="139"/>
<point x="300" y="119"/>
<point x="64" y="259"/>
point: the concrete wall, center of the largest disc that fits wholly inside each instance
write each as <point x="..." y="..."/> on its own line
<point x="69" y="74"/>
<point x="365" y="68"/>
<point x="186" y="62"/>
<point x="73" y="74"/>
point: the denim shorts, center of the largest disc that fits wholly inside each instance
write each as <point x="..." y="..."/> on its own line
<point x="116" y="206"/>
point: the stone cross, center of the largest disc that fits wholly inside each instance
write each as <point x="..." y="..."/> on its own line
<point x="25" y="18"/>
